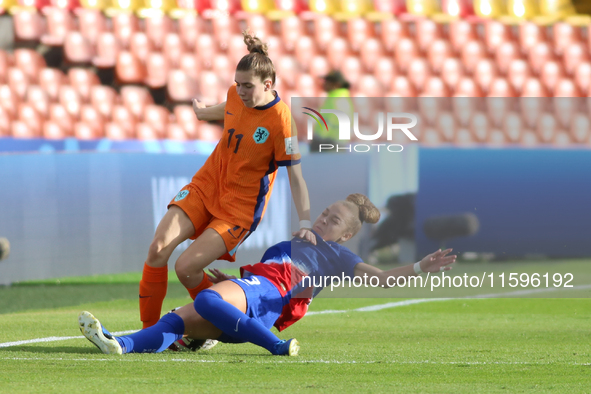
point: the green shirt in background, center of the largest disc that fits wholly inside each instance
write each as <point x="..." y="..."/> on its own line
<point x="339" y="99"/>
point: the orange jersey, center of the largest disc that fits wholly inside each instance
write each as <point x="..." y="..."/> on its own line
<point x="236" y="181"/>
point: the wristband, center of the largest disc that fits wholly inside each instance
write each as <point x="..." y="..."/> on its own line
<point x="305" y="224"/>
<point x="417" y="268"/>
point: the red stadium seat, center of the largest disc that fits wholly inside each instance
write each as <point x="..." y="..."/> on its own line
<point x="319" y="67"/>
<point x="30" y="116"/>
<point x="175" y="132"/>
<point x="117" y="132"/>
<point x="140" y="45"/>
<point x="539" y="54"/>
<point x="385" y="70"/>
<point x="392" y="31"/>
<point x="567" y="88"/>
<point x="37" y="98"/>
<point x="484" y="73"/>
<point x="352" y="69"/>
<point x="467" y="87"/>
<point x="259" y="25"/>
<point x="305" y="48"/>
<point x="222" y="67"/>
<point x="156" y="70"/>
<point x="5" y="122"/>
<point x="500" y="87"/>
<point x="29" y="61"/>
<point x="103" y="98"/>
<point x="530" y="34"/>
<point x="70" y="99"/>
<point x="533" y="87"/>
<point x="325" y="31"/>
<point x="186" y="118"/>
<point x="28" y="26"/>
<point x="369" y="86"/>
<point x="369" y="52"/>
<point x="406" y="50"/>
<point x="53" y="131"/>
<point x="446" y="127"/>
<point x="418" y="72"/>
<point x="190" y="27"/>
<point x="156" y="28"/>
<point x="565" y="34"/>
<point x="530" y="109"/>
<point x="129" y="69"/>
<point x="306" y="85"/>
<point x="189" y="64"/>
<point x="107" y="49"/>
<point x="146" y="132"/>
<point x="359" y="30"/>
<point x="20" y="130"/>
<point x="206" y="49"/>
<point x="287" y="69"/>
<point x="452" y="70"/>
<point x="9" y="100"/>
<point x="77" y="49"/>
<point x="275" y="47"/>
<point x="292" y="29"/>
<point x="123" y="117"/>
<point x="236" y="48"/>
<point x="463" y="109"/>
<point x="124" y="25"/>
<point x="547" y="128"/>
<point x="580" y="130"/>
<point x="18" y="81"/>
<point x="497" y="108"/>
<point x="460" y="33"/>
<point x="91" y="23"/>
<point x="573" y="55"/>
<point x="427" y="31"/>
<point x="565" y="109"/>
<point x="582" y="76"/>
<point x="51" y="79"/>
<point x="181" y="87"/>
<point x="210" y="132"/>
<point x="83" y="80"/>
<point x="551" y="72"/>
<point x="85" y="131"/>
<point x="5" y="63"/>
<point x="435" y="87"/>
<point x="438" y="51"/>
<point x="495" y="34"/>
<point x="59" y="22"/>
<point x="92" y="117"/>
<point x="389" y="7"/>
<point x="518" y="72"/>
<point x="59" y="115"/>
<point x="157" y="117"/>
<point x="479" y="127"/>
<point x="335" y="52"/>
<point x="173" y="49"/>
<point x="472" y="52"/>
<point x="403" y="87"/>
<point x="513" y="128"/>
<point x="506" y="52"/>
<point x="135" y="98"/>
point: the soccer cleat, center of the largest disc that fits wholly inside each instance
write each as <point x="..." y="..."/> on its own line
<point x="291" y="347"/>
<point x="192" y="345"/>
<point x="92" y="329"/>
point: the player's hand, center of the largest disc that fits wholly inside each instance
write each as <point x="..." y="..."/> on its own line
<point x="438" y="261"/>
<point x="218" y="276"/>
<point x="306" y="234"/>
<point x="197" y="105"/>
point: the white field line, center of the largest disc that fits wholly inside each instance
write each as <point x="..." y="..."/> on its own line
<point x="371" y="308"/>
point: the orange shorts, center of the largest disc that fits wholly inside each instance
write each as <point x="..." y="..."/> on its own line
<point x="190" y="202"/>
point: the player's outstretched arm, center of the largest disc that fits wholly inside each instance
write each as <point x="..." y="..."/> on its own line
<point x="215" y="112"/>
<point x="301" y="199"/>
<point x="434" y="262"/>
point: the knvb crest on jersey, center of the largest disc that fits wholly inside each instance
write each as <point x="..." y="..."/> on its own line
<point x="260" y="135"/>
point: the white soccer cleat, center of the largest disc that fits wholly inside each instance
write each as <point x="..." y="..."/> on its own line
<point x="92" y="329"/>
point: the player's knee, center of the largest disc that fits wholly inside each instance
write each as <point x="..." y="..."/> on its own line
<point x="157" y="250"/>
<point x="205" y="302"/>
<point x="187" y="270"/>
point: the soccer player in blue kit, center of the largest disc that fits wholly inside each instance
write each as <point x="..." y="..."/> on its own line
<point x="274" y="292"/>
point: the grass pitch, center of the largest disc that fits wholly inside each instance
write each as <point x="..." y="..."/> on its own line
<point x="454" y="346"/>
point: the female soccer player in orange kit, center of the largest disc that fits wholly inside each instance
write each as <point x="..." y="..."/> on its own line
<point x="227" y="197"/>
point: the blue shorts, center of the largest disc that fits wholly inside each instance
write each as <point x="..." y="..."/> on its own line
<point x="263" y="302"/>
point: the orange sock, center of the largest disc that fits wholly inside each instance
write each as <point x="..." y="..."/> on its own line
<point x="152" y="292"/>
<point x="205" y="284"/>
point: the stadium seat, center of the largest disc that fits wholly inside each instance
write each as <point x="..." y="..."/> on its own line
<point x="533" y="87"/>
<point x="258" y="24"/>
<point x="384" y="70"/>
<point x="305" y="48"/>
<point x="223" y="69"/>
<point x="129" y="69"/>
<point x="369" y="86"/>
<point x="20" y="130"/>
<point x="180" y="86"/>
<point x="472" y="52"/>
<point x="156" y="28"/>
<point x="565" y="34"/>
<point x="406" y="50"/>
<point x="352" y="69"/>
<point x="236" y="48"/>
<point x="335" y="52"/>
<point x="157" y="68"/>
<point x="403" y="87"/>
<point x="58" y="114"/>
<point x="566" y="88"/>
<point x="460" y="33"/>
<point x="37" y="97"/>
<point x="210" y="90"/>
<point x="173" y="49"/>
<point x="157" y="117"/>
<point x="107" y="49"/>
<point x="124" y="25"/>
<point x="369" y="52"/>
<point x="551" y="72"/>
<point x="467" y="87"/>
<point x="306" y="85"/>
<point x="319" y="67"/>
<point x="496" y="109"/>
<point x="186" y="118"/>
<point x="122" y="117"/>
<point x="5" y="63"/>
<point x="452" y="70"/>
<point x="530" y="34"/>
<point x="582" y="76"/>
<point x="437" y="52"/>
<point x="117" y="132"/>
<point x="50" y="79"/>
<point x="189" y="64"/>
<point x="118" y="7"/>
<point x="427" y="31"/>
<point x="5" y="122"/>
<point x="30" y="116"/>
<point x="435" y="87"/>
<point x="135" y="98"/>
<point x="329" y="7"/>
<point x="479" y="127"/>
<point x="190" y="26"/>
<point x="210" y="133"/>
<point x="84" y="131"/>
<point x="513" y="128"/>
<point x="573" y="55"/>
<point x="506" y="53"/>
<point x="287" y="69"/>
<point x="546" y="129"/>
<point x="359" y="30"/>
<point x="517" y="73"/>
<point x="580" y="130"/>
<point x="92" y="117"/>
<point x="91" y="23"/>
<point x="530" y="109"/>
<point x="224" y="27"/>
<point x="275" y="47"/>
<point x="423" y="7"/>
<point x="77" y="49"/>
<point x="500" y="87"/>
<point x="9" y="101"/>
<point x="18" y="81"/>
<point x="392" y="31"/>
<point x="103" y="99"/>
<point x="292" y="29"/>
<point x="70" y="99"/>
<point x="140" y="45"/>
<point x="83" y="80"/>
<point x="175" y="132"/>
<point x="389" y="7"/>
<point x="59" y="22"/>
<point x="564" y="109"/>
<point x="463" y="108"/>
<point x="418" y="72"/>
<point x="496" y="33"/>
<point x="206" y="49"/>
<point x="30" y="62"/>
<point x="53" y="131"/>
<point x="28" y="26"/>
<point x="325" y="31"/>
<point x="145" y="132"/>
<point x="538" y="55"/>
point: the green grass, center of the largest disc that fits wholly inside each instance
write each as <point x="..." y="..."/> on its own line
<point x="456" y="346"/>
